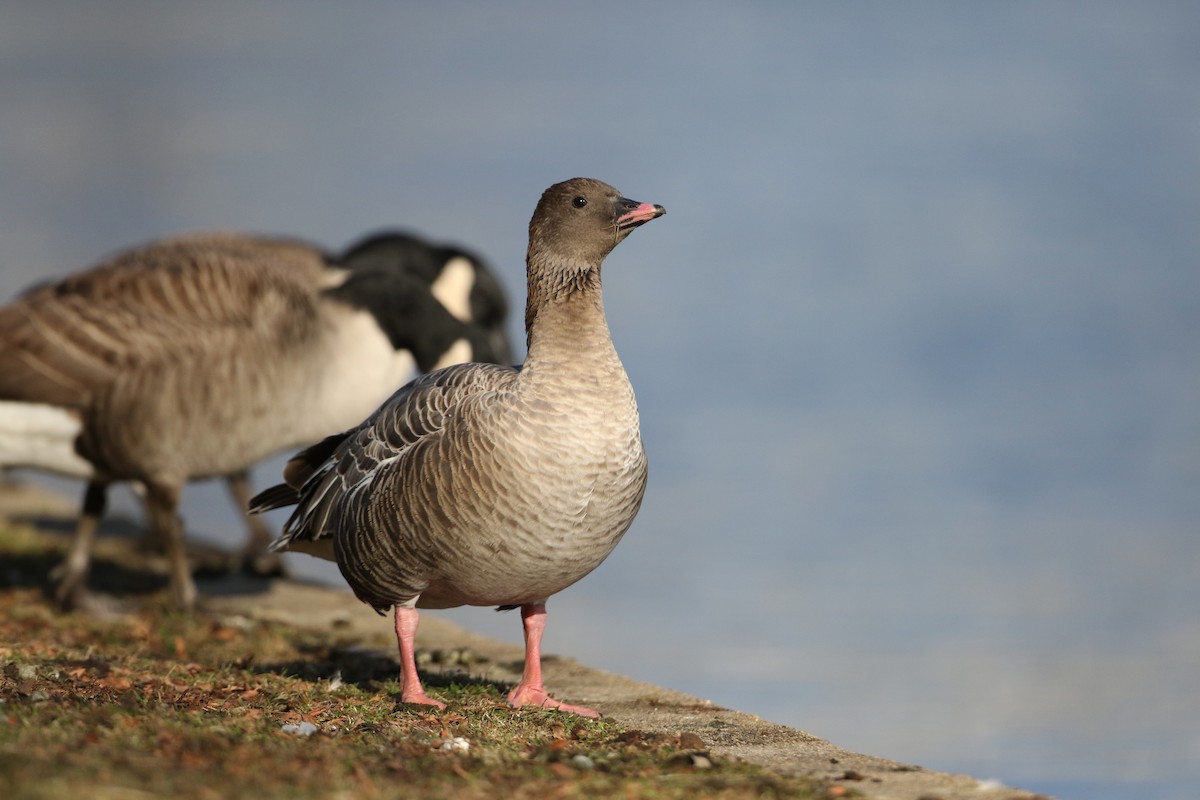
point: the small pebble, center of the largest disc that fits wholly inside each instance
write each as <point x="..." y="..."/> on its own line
<point x="458" y="744"/>
<point x="458" y="656"/>
<point x="239" y="622"/>
<point x="580" y="761"/>
<point x="693" y="760"/>
<point x="301" y="729"/>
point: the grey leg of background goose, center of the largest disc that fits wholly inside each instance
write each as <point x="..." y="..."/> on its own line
<point x="255" y="557"/>
<point x="71" y="575"/>
<point x="153" y="538"/>
<point x="162" y="501"/>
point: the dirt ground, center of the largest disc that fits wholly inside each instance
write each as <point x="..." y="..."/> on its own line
<point x="724" y="732"/>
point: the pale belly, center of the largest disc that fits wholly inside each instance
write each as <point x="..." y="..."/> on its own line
<point x="516" y="564"/>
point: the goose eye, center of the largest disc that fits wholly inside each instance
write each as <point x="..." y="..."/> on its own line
<point x="579" y="202"/>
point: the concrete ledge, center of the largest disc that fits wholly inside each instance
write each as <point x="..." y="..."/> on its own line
<point x="725" y="733"/>
<point x="638" y="706"/>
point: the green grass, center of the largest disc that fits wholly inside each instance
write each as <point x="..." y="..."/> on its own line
<point x="160" y="703"/>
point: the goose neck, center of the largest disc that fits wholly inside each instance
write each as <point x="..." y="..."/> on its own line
<point x="569" y="328"/>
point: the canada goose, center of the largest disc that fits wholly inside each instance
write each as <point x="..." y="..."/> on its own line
<point x="198" y="355"/>
<point x="485" y="485"/>
<point x="459" y="279"/>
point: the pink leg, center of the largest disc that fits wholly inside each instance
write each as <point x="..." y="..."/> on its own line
<point x="411" y="690"/>
<point x="530" y="692"/>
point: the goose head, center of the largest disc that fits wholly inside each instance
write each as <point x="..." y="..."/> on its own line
<point x="575" y="225"/>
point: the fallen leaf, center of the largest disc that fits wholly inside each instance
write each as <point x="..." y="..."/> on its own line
<point x="118" y="684"/>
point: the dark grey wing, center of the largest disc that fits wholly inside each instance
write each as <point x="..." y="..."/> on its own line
<point x="322" y="476"/>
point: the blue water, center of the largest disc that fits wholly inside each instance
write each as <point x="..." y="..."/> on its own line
<point x="915" y="345"/>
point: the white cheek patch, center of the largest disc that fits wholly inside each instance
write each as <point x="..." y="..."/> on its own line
<point x="453" y="287"/>
<point x="332" y="277"/>
<point x="460" y="352"/>
<point x="42" y="437"/>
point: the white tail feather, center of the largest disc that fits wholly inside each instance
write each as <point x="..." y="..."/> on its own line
<point x="41" y="437"/>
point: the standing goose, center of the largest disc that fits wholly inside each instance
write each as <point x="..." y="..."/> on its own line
<point x="196" y="357"/>
<point x="487" y="485"/>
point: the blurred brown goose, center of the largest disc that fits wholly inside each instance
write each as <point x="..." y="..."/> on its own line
<point x="197" y="356"/>
<point x="489" y="485"/>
